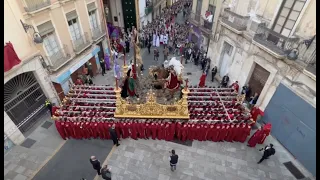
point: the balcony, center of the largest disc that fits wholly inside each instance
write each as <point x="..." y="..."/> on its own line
<point x="203" y="24"/>
<point x="59" y="58"/>
<point x="97" y="33"/>
<point x="274" y="43"/>
<point x="81" y="43"/>
<point x="35" y="5"/>
<point x="148" y="9"/>
<point x="234" y="22"/>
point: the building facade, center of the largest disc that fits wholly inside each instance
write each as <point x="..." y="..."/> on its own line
<point x="73" y="34"/>
<point x="271" y="45"/>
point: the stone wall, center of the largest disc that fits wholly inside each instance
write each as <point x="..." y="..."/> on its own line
<point x="244" y="57"/>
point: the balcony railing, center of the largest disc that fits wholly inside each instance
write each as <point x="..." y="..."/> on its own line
<point x="34" y="5"/>
<point x="58" y="59"/>
<point x="97" y="32"/>
<point x="199" y="21"/>
<point x="273" y="42"/>
<point x="80" y="43"/>
<point x="148" y="9"/>
<point x="235" y="21"/>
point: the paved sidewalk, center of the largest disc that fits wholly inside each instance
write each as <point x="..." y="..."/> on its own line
<point x="22" y="163"/>
<point x="148" y="160"/>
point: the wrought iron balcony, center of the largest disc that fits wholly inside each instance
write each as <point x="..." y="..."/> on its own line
<point x="234" y="22"/>
<point x="34" y="5"/>
<point x="59" y="58"/>
<point x="81" y="43"/>
<point x="148" y="9"/>
<point x="273" y="42"/>
<point x="97" y="32"/>
<point x="202" y="23"/>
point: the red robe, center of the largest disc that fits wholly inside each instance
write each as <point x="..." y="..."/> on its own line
<point x="255" y="112"/>
<point x="202" y="80"/>
<point x="266" y="132"/>
<point x="125" y="130"/>
<point x="76" y="130"/>
<point x="161" y="131"/>
<point x="106" y="130"/>
<point x="245" y="132"/>
<point x="173" y="82"/>
<point x="198" y="132"/>
<point x="167" y="132"/>
<point x="192" y="132"/>
<point x="94" y="127"/>
<point x="184" y="132"/>
<point x="69" y="130"/>
<point x="255" y="138"/>
<point x="102" y="132"/>
<point x="60" y="129"/>
<point x="235" y="86"/>
<point x="178" y="130"/>
<point x="86" y="130"/>
<point x="223" y="132"/>
<point x="148" y="130"/>
<point x="209" y="132"/>
<point x="236" y="132"/>
<point x="141" y="129"/>
<point x="153" y="127"/>
<point x="172" y="131"/>
<point x="134" y="133"/>
<point x="231" y="131"/>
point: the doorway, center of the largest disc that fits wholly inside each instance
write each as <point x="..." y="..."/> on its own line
<point x="258" y="79"/>
<point x="101" y="52"/>
<point x="225" y="59"/>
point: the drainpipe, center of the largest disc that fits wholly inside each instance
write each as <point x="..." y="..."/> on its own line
<point x="105" y="25"/>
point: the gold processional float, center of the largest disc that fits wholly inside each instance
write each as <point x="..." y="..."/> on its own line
<point x="151" y="109"/>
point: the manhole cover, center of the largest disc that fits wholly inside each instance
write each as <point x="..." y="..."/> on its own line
<point x="46" y="124"/>
<point x="28" y="143"/>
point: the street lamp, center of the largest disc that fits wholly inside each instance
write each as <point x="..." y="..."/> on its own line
<point x="36" y="36"/>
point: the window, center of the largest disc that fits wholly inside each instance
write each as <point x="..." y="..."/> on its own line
<point x="74" y="26"/>
<point x="287" y="16"/>
<point x="74" y="29"/>
<point x="50" y="44"/>
<point x="93" y="19"/>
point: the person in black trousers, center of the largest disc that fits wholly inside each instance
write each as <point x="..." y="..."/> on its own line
<point x="173" y="160"/>
<point x="95" y="164"/>
<point x="113" y="135"/>
<point x="213" y="73"/>
<point x="149" y="46"/>
<point x="103" y="66"/>
<point x="225" y="81"/>
<point x="268" y="151"/>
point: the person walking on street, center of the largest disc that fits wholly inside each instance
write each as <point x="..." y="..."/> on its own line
<point x="173" y="160"/>
<point x="149" y="45"/>
<point x="213" y="72"/>
<point x="103" y="66"/>
<point x="105" y="173"/>
<point x="49" y="106"/>
<point x="113" y="135"/>
<point x="156" y="54"/>
<point x="95" y="164"/>
<point x="267" y="152"/>
<point x="165" y="53"/>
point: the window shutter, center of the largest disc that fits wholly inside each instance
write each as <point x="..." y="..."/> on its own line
<point x="45" y="28"/>
<point x="91" y="6"/>
<point x="71" y="15"/>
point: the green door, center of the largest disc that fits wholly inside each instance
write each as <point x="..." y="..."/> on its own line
<point x="129" y="13"/>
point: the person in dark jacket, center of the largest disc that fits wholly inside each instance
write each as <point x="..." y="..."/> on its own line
<point x="173" y="160"/>
<point x="213" y="73"/>
<point x="267" y="152"/>
<point x="103" y="66"/>
<point x="225" y="81"/>
<point x="49" y="106"/>
<point x="105" y="173"/>
<point x="95" y="164"/>
<point x="113" y="135"/>
<point x="254" y="99"/>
